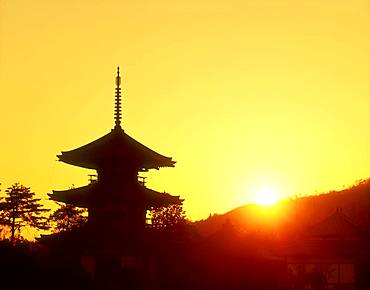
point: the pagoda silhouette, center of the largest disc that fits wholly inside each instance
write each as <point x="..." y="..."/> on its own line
<point x="114" y="246"/>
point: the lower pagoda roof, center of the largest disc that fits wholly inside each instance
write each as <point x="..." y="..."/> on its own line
<point x="86" y="195"/>
<point x="115" y="148"/>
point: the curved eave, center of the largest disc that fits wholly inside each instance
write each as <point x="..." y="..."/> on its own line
<point x="94" y="163"/>
<point x="83" y="196"/>
<point x="76" y="196"/>
<point x="115" y="147"/>
<point x="157" y="199"/>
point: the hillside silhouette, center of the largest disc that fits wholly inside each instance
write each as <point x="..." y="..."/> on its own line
<point x="292" y="215"/>
<point x="250" y="247"/>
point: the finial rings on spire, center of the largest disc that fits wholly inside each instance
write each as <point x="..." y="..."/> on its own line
<point x="117" y="107"/>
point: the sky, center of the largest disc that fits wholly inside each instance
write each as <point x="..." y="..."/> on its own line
<point x="243" y="94"/>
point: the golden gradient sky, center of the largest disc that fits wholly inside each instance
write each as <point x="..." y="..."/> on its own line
<point x="242" y="94"/>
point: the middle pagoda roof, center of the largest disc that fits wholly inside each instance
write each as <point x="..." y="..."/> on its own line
<point x="84" y="196"/>
<point x="116" y="148"/>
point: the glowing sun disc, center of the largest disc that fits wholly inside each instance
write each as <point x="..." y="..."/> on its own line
<point x="266" y="196"/>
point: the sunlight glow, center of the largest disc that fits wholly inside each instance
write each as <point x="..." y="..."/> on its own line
<point x="237" y="92"/>
<point x="266" y="196"/>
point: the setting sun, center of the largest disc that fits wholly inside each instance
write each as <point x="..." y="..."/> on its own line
<point x="266" y="196"/>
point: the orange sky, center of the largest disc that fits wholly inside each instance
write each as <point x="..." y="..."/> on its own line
<point x="242" y="94"/>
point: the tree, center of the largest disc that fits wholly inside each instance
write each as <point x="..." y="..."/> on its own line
<point x="19" y="208"/>
<point x="168" y="217"/>
<point x="67" y="217"/>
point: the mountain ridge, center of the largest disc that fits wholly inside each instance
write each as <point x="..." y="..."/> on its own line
<point x="290" y="216"/>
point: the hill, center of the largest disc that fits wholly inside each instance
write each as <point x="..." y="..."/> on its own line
<point x="291" y="215"/>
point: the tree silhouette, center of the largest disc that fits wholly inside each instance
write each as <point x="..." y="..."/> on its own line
<point x="67" y="217"/>
<point x="3" y="229"/>
<point x="168" y="217"/>
<point x="19" y="208"/>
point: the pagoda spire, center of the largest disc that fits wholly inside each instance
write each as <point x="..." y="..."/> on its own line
<point x="118" y="107"/>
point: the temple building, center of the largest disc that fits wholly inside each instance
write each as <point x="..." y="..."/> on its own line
<point x="333" y="254"/>
<point x="113" y="247"/>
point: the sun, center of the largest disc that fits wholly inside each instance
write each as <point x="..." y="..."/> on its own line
<point x="266" y="196"/>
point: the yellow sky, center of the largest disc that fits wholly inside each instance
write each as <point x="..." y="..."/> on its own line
<point x="242" y="94"/>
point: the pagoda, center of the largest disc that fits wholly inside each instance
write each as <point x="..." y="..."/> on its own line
<point x="117" y="202"/>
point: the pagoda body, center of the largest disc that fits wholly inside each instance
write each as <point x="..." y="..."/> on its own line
<point x="117" y="202"/>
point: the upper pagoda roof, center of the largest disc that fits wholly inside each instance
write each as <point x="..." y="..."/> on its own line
<point x="116" y="148"/>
